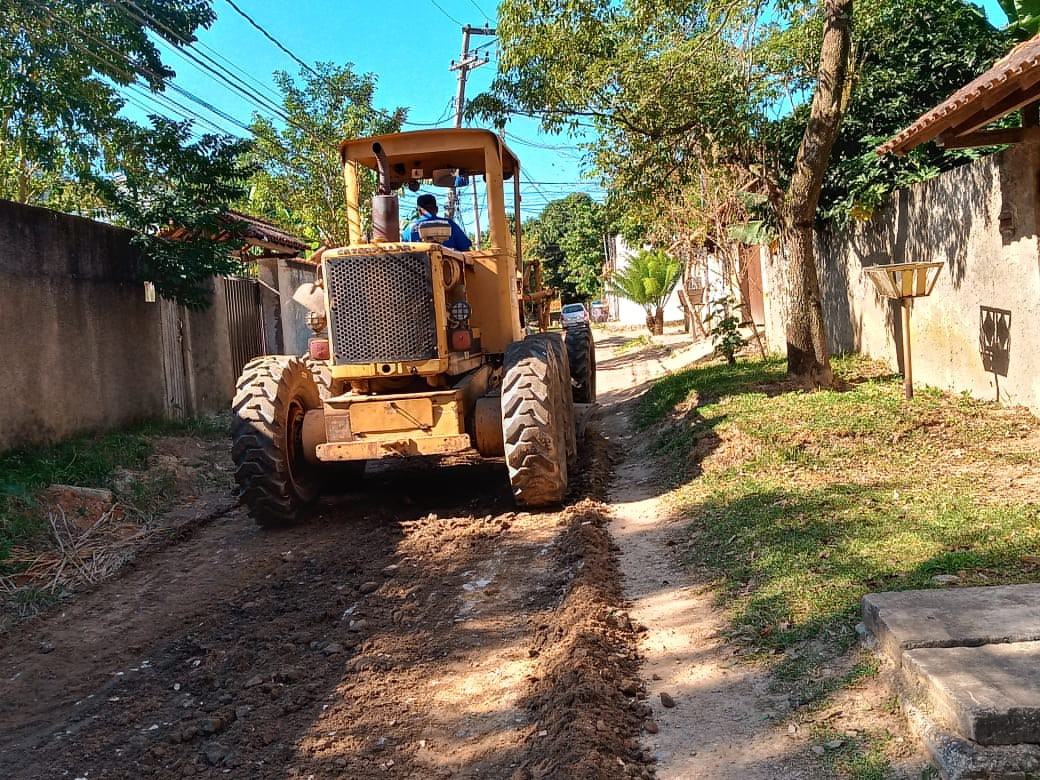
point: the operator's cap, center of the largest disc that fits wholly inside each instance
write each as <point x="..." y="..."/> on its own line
<point x="427" y="202"/>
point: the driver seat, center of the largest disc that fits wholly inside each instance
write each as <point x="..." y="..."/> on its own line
<point x="434" y="231"/>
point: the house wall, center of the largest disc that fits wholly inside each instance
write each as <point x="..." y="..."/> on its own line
<point x="977" y="332"/>
<point x="80" y="348"/>
<point x="624" y="311"/>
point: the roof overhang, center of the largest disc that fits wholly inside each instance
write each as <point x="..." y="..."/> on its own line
<point x="1012" y="83"/>
<point x="430" y="150"/>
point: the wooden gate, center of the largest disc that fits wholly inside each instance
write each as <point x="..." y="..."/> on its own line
<point x="172" y="330"/>
<point x="245" y="320"/>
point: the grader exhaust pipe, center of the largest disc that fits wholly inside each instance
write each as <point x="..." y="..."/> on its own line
<point x="386" y="213"/>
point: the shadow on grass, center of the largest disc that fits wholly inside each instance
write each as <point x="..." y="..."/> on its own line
<point x="791" y="566"/>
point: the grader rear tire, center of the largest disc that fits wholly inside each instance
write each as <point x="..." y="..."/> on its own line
<point x="581" y="352"/>
<point x="275" y="480"/>
<point x="533" y="423"/>
<point x="564" y="398"/>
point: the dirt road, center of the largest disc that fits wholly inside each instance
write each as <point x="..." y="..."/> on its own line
<point x="421" y="628"/>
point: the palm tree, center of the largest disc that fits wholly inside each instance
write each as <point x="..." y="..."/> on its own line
<point x="648" y="279"/>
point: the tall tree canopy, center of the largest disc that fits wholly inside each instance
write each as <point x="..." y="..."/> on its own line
<point x="61" y="66"/>
<point x="298" y="182"/>
<point x="64" y="144"/>
<point x="689" y="95"/>
<point x="568" y="238"/>
<point x="173" y="185"/>
<point x="909" y="56"/>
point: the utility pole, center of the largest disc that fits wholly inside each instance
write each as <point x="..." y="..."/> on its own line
<point x="466" y="63"/>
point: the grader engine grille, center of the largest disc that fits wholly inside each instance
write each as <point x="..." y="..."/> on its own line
<point x="381" y="308"/>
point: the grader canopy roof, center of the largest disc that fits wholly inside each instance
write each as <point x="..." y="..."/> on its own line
<point x="430" y="150"/>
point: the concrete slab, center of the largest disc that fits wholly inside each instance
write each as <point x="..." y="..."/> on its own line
<point x="988" y="694"/>
<point x="955" y="617"/>
<point x="960" y="759"/>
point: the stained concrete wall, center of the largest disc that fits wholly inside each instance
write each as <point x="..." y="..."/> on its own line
<point x="80" y="349"/>
<point x="977" y="332"/>
<point x="295" y="331"/>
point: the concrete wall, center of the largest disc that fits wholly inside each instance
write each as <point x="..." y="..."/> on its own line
<point x="285" y="320"/>
<point x="977" y="332"/>
<point x="80" y="348"/>
<point x="295" y="331"/>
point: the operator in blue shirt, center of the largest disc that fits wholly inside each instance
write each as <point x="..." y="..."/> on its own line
<point x="427" y="205"/>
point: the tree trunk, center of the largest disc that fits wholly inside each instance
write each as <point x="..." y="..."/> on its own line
<point x="659" y="321"/>
<point x="688" y="314"/>
<point x="808" y="358"/>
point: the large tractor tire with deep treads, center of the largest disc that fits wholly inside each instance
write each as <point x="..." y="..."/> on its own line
<point x="565" y="403"/>
<point x="275" y="480"/>
<point x="534" y="423"/>
<point x="581" y="353"/>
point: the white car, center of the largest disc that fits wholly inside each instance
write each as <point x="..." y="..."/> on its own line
<point x="574" y="314"/>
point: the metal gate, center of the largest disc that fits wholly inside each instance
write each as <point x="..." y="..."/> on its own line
<point x="245" y="320"/>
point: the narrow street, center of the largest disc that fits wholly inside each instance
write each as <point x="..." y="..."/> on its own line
<point x="420" y="628"/>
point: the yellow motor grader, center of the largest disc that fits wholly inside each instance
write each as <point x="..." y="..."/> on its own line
<point x="419" y="350"/>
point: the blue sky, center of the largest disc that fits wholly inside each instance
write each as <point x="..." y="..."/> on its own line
<point x="409" y="44"/>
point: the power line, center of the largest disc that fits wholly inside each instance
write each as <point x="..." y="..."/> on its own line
<point x="136" y="70"/>
<point x="201" y="61"/>
<point x="263" y="31"/>
<point x="437" y="5"/>
<point x="480" y="10"/>
<point x="270" y="37"/>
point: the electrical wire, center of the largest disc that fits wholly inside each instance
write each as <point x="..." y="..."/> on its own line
<point x="437" y="5"/>
<point x="481" y="11"/>
<point x="199" y="60"/>
<point x="263" y="31"/>
<point x="270" y="37"/>
<point x="133" y="71"/>
<point x="140" y="70"/>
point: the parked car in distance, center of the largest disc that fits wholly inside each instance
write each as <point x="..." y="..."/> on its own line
<point x="574" y="314"/>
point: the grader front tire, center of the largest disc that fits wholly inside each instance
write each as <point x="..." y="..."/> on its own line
<point x="533" y="423"/>
<point x="275" y="480"/>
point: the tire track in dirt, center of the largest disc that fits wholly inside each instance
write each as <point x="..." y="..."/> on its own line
<point x="419" y="629"/>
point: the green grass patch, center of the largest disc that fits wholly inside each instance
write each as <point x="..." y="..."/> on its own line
<point x="635" y="343"/>
<point x="85" y="461"/>
<point x="802" y="502"/>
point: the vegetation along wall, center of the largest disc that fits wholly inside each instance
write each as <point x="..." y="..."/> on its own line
<point x="80" y="348"/>
<point x="977" y="332"/>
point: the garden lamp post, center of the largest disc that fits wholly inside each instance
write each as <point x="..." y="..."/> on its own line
<point x="903" y="282"/>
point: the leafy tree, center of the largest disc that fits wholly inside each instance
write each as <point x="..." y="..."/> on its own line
<point x="667" y="83"/>
<point x="61" y="66"/>
<point x="685" y="96"/>
<point x="910" y="55"/>
<point x="298" y="182"/>
<point x="1023" y="17"/>
<point x="568" y="239"/>
<point x="174" y="194"/>
<point x="648" y="279"/>
<point x="63" y="145"/>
